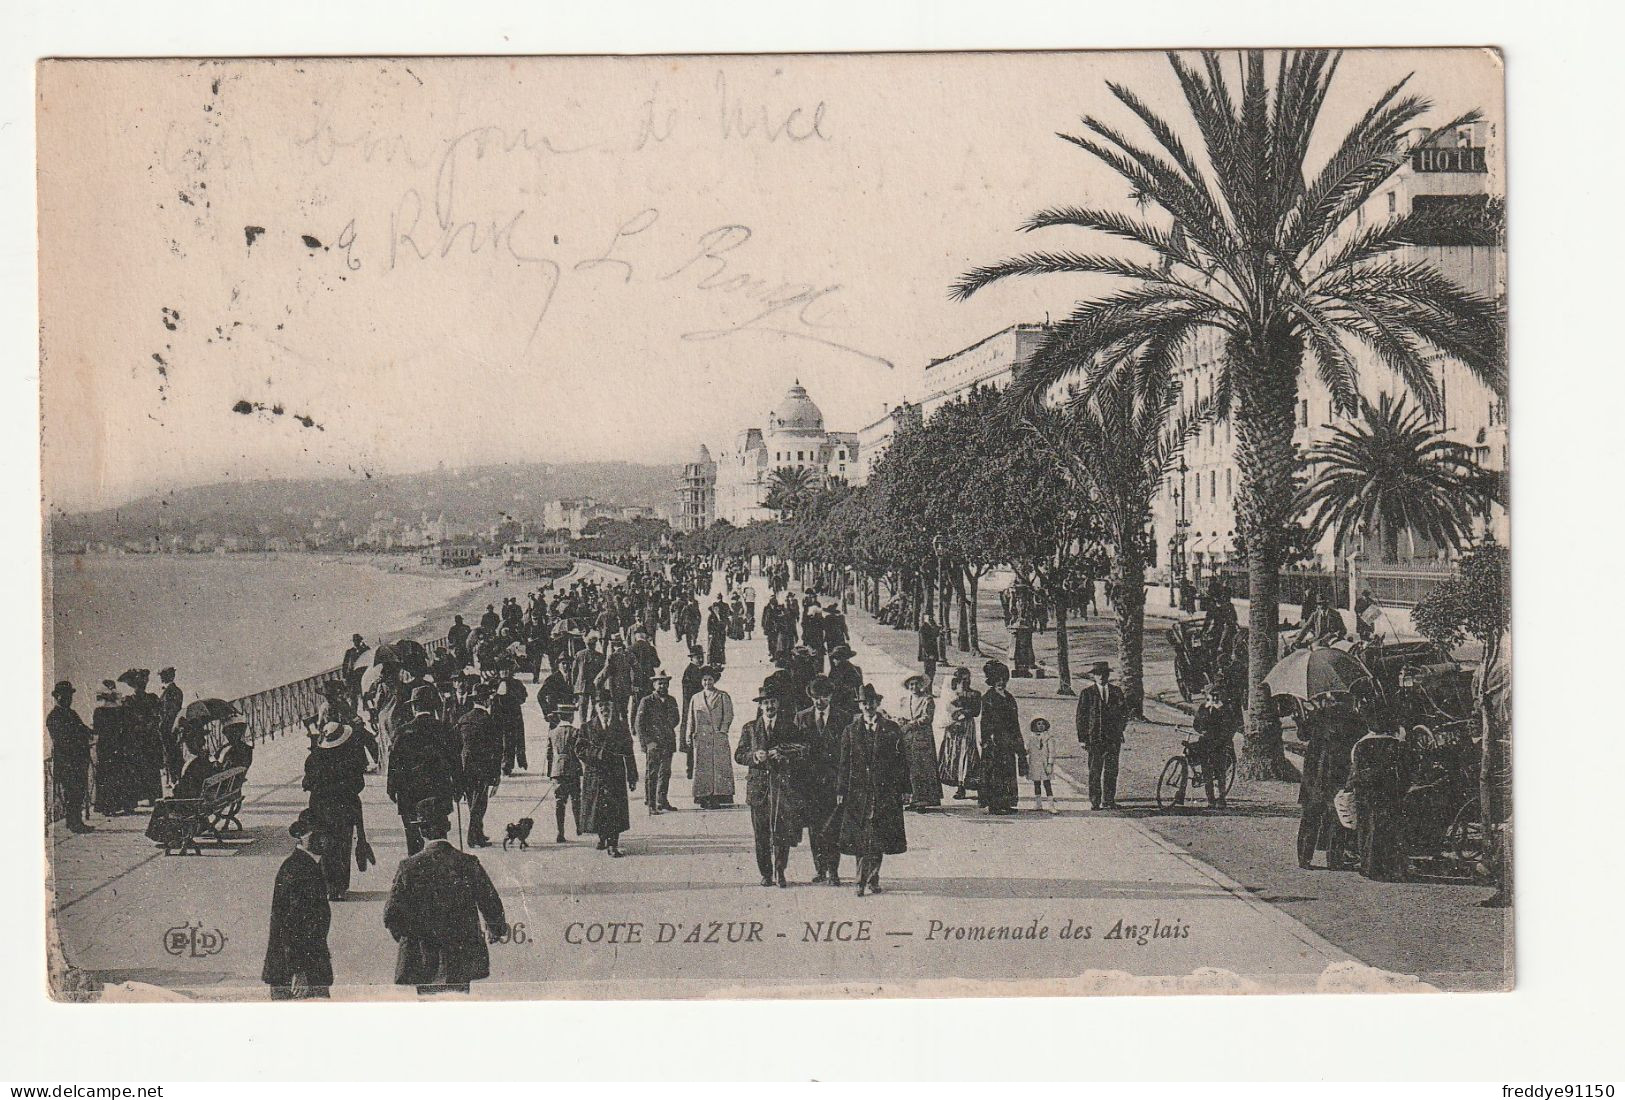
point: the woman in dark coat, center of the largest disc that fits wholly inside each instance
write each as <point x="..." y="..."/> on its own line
<point x="1381" y="776"/>
<point x="1329" y="729"/>
<point x="870" y="783"/>
<point x="142" y="715"/>
<point x="199" y="768"/>
<point x="1004" y="750"/>
<point x="609" y="771"/>
<point x="297" y="962"/>
<point x="113" y="783"/>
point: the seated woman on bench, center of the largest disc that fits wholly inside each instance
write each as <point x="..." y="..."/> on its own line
<point x="237" y="752"/>
<point x="198" y="769"/>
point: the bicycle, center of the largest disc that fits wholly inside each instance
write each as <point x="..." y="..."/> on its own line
<point x="1181" y="772"/>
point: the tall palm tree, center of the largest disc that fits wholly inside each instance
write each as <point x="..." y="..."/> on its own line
<point x="1243" y="240"/>
<point x="1114" y="440"/>
<point x="789" y="488"/>
<point x="1393" y="471"/>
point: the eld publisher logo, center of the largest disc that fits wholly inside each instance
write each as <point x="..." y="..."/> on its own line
<point x="193" y="941"/>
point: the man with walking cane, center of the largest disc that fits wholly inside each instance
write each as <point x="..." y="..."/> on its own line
<point x="776" y="753"/>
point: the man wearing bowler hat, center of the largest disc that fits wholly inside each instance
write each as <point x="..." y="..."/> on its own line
<point x="822" y="725"/>
<point x="773" y="748"/>
<point x="424" y="765"/>
<point x="1102" y="717"/>
<point x="435" y="907"/>
<point x="70" y="755"/>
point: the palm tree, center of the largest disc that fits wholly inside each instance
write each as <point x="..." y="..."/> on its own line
<point x="1114" y="440"/>
<point x="789" y="488"/>
<point x="1394" y="472"/>
<point x="1244" y="241"/>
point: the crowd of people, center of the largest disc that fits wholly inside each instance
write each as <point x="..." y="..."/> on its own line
<point x="139" y="749"/>
<point x="825" y="760"/>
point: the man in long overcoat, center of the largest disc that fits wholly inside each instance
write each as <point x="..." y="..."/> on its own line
<point x="773" y="747"/>
<point x="1004" y="747"/>
<point x="655" y="722"/>
<point x="170" y="700"/>
<point x="480" y="737"/>
<point x="1102" y="718"/>
<point x="772" y="613"/>
<point x="931" y="649"/>
<point x="616" y="676"/>
<point x="846" y="677"/>
<point x="822" y="726"/>
<point x="588" y="664"/>
<point x="718" y="622"/>
<point x="609" y="771"/>
<point x="508" y="715"/>
<point x="693" y="680"/>
<point x="870" y="784"/>
<point x="434" y="910"/>
<point x="422" y="765"/>
<point x="70" y="756"/>
<point x="297" y="962"/>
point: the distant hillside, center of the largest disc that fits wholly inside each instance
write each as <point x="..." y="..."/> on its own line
<point x="323" y="513"/>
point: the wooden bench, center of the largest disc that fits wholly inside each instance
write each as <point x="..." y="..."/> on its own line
<point x="214" y="812"/>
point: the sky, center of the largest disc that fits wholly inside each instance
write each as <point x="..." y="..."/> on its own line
<point x="344" y="267"/>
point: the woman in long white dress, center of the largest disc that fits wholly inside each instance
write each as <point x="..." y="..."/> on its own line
<point x="916" y="716"/>
<point x="710" y="717"/>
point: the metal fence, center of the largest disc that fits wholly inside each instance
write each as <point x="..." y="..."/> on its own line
<point x="1390" y="585"/>
<point x="1403" y="585"/>
<point x="1295" y="584"/>
<point x="269" y="713"/>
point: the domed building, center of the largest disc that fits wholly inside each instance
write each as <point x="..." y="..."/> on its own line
<point x="793" y="438"/>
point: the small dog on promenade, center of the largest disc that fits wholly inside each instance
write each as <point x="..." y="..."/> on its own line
<point x="520" y="831"/>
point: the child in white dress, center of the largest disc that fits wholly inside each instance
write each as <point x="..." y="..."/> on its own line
<point x="1041" y="762"/>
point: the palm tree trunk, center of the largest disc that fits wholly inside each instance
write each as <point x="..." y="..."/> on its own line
<point x="1267" y="460"/>
<point x="1131" y="622"/>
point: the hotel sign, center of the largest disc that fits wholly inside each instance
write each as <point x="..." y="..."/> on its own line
<point x="1466" y="158"/>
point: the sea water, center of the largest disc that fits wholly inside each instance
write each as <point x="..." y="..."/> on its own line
<point x="230" y="624"/>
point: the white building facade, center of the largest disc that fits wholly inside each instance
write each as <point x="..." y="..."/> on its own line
<point x="1194" y="515"/>
<point x="792" y="438"/>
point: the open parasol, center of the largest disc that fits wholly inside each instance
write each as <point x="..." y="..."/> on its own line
<point x="210" y="710"/>
<point x="1307" y="673"/>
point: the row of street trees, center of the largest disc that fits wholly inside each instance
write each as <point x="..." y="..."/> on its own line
<point x="1236" y="235"/>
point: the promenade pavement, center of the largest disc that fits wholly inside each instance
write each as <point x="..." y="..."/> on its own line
<point x="1437" y="930"/>
<point x="978" y="904"/>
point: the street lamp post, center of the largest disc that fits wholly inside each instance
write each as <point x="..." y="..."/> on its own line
<point x="1176" y="550"/>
